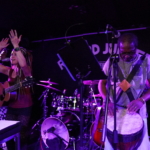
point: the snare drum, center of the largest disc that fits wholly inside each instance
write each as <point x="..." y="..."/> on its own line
<point x="129" y="127"/>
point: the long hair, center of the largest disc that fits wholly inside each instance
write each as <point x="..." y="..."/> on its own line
<point x="28" y="56"/>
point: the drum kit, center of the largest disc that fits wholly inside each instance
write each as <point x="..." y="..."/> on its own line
<point x="61" y="129"/>
<point x="64" y="123"/>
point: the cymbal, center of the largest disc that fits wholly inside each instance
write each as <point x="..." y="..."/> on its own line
<point x="52" y="128"/>
<point x="90" y="82"/>
<point x="97" y="95"/>
<point x="48" y="86"/>
<point x="49" y="82"/>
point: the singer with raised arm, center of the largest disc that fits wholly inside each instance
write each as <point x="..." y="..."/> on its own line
<point x="20" y="101"/>
<point x="132" y="92"/>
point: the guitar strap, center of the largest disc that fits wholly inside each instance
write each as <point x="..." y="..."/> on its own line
<point x="129" y="78"/>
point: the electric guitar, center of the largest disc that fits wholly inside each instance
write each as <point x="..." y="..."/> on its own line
<point x="97" y="127"/>
<point x="5" y="89"/>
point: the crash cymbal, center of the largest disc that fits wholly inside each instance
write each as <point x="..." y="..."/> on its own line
<point x="48" y="86"/>
<point x="49" y="82"/>
<point x="90" y="82"/>
<point x="52" y="128"/>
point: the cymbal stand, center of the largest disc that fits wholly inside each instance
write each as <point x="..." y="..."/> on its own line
<point x="44" y="95"/>
<point x="92" y="94"/>
<point x="73" y="140"/>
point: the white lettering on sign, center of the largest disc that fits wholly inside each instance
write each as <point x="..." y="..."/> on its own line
<point x="60" y="64"/>
<point x="95" y="49"/>
<point x="108" y="48"/>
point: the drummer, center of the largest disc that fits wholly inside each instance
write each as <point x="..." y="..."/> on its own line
<point x="127" y="44"/>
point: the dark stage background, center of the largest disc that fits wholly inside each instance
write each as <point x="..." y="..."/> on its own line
<point x="46" y="64"/>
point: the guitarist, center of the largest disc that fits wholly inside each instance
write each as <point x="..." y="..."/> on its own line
<point x="19" y="107"/>
<point x="127" y="44"/>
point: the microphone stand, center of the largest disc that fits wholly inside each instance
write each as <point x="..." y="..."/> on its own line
<point x="113" y="61"/>
<point x="115" y="69"/>
<point x="45" y="95"/>
<point x="81" y="77"/>
<point x="44" y="116"/>
<point x="59" y="137"/>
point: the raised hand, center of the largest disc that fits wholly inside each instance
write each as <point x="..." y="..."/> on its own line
<point x="15" y="40"/>
<point x="4" y="43"/>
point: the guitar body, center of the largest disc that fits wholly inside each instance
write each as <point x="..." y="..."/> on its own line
<point x="7" y="96"/>
<point x="97" y="127"/>
<point x="10" y="92"/>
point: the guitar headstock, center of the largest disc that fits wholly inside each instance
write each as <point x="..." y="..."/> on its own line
<point x="28" y="81"/>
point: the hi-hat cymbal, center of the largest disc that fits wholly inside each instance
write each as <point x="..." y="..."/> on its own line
<point x="90" y="82"/>
<point x="52" y="128"/>
<point x="48" y="86"/>
<point x="49" y="82"/>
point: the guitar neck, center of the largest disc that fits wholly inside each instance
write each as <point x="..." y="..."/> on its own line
<point x="13" y="88"/>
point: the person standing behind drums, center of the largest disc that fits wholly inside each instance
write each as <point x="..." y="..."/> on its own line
<point x="19" y="109"/>
<point x="128" y="57"/>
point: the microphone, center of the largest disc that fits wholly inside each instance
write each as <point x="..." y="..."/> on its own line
<point x="50" y="130"/>
<point x="115" y="32"/>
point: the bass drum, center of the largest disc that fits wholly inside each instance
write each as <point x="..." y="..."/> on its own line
<point x="72" y="122"/>
<point x="54" y="131"/>
<point x="64" y="126"/>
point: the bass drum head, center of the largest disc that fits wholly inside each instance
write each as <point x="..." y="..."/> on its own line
<point x="53" y="128"/>
<point x="72" y="122"/>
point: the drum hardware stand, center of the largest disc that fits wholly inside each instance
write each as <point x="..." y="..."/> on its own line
<point x="44" y="94"/>
<point x="51" y="130"/>
<point x="73" y="140"/>
<point x="95" y="101"/>
<point x="80" y="77"/>
<point x="114" y="58"/>
<point x="92" y="94"/>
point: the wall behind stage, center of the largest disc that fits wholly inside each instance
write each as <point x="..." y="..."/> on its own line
<point x="47" y="65"/>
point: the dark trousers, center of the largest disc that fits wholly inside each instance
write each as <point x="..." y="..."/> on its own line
<point x="22" y="115"/>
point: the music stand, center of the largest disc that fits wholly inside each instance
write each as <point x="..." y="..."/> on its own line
<point x="80" y="63"/>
